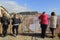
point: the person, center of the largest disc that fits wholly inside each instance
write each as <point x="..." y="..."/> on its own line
<point x="53" y="23"/>
<point x="43" y="20"/>
<point x="5" y="21"/>
<point x="15" y="22"/>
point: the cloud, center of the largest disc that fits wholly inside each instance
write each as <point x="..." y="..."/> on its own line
<point x="12" y="6"/>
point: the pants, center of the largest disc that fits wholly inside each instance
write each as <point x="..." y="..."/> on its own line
<point x="52" y="31"/>
<point x="43" y="30"/>
<point x="15" y="28"/>
<point x="59" y="35"/>
<point x="4" y="27"/>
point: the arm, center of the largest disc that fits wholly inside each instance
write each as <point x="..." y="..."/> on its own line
<point x="39" y="18"/>
<point x="57" y="25"/>
<point x="12" y="20"/>
<point x="8" y="21"/>
<point x="20" y="21"/>
<point x="1" y="20"/>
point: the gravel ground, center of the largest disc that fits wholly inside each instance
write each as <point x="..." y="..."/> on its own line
<point x="21" y="37"/>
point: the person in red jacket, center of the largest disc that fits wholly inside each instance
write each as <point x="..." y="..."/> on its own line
<point x="43" y="18"/>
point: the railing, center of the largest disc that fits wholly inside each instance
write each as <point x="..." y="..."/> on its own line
<point x="27" y="26"/>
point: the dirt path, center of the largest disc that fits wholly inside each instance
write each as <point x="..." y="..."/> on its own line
<point x="21" y="37"/>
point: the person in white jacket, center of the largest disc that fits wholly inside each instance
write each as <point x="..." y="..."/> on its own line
<point x="53" y="23"/>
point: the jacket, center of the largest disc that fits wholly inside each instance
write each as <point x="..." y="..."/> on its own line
<point x="15" y="21"/>
<point x="5" y="20"/>
<point x="43" y="19"/>
<point x="53" y="21"/>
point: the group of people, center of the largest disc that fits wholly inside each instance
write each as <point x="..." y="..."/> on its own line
<point x="44" y="19"/>
<point x="5" y="23"/>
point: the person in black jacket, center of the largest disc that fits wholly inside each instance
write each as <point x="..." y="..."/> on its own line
<point x="15" y="22"/>
<point x="5" y="22"/>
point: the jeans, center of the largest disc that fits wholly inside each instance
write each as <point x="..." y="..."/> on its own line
<point x="4" y="27"/>
<point x="43" y="30"/>
<point x="15" y="28"/>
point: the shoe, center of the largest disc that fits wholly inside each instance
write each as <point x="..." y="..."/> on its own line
<point x="42" y="36"/>
<point x="14" y="35"/>
<point x="52" y="36"/>
<point x="3" y="35"/>
<point x="59" y="35"/>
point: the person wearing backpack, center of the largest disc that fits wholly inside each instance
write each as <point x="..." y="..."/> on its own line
<point x="15" y="22"/>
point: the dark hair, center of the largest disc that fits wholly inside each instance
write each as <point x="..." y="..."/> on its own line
<point x="43" y="13"/>
<point x="14" y="15"/>
<point x="53" y="14"/>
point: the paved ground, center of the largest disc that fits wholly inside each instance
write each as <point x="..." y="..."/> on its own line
<point x="27" y="37"/>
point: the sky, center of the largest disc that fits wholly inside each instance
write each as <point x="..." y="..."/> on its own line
<point x="32" y="5"/>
